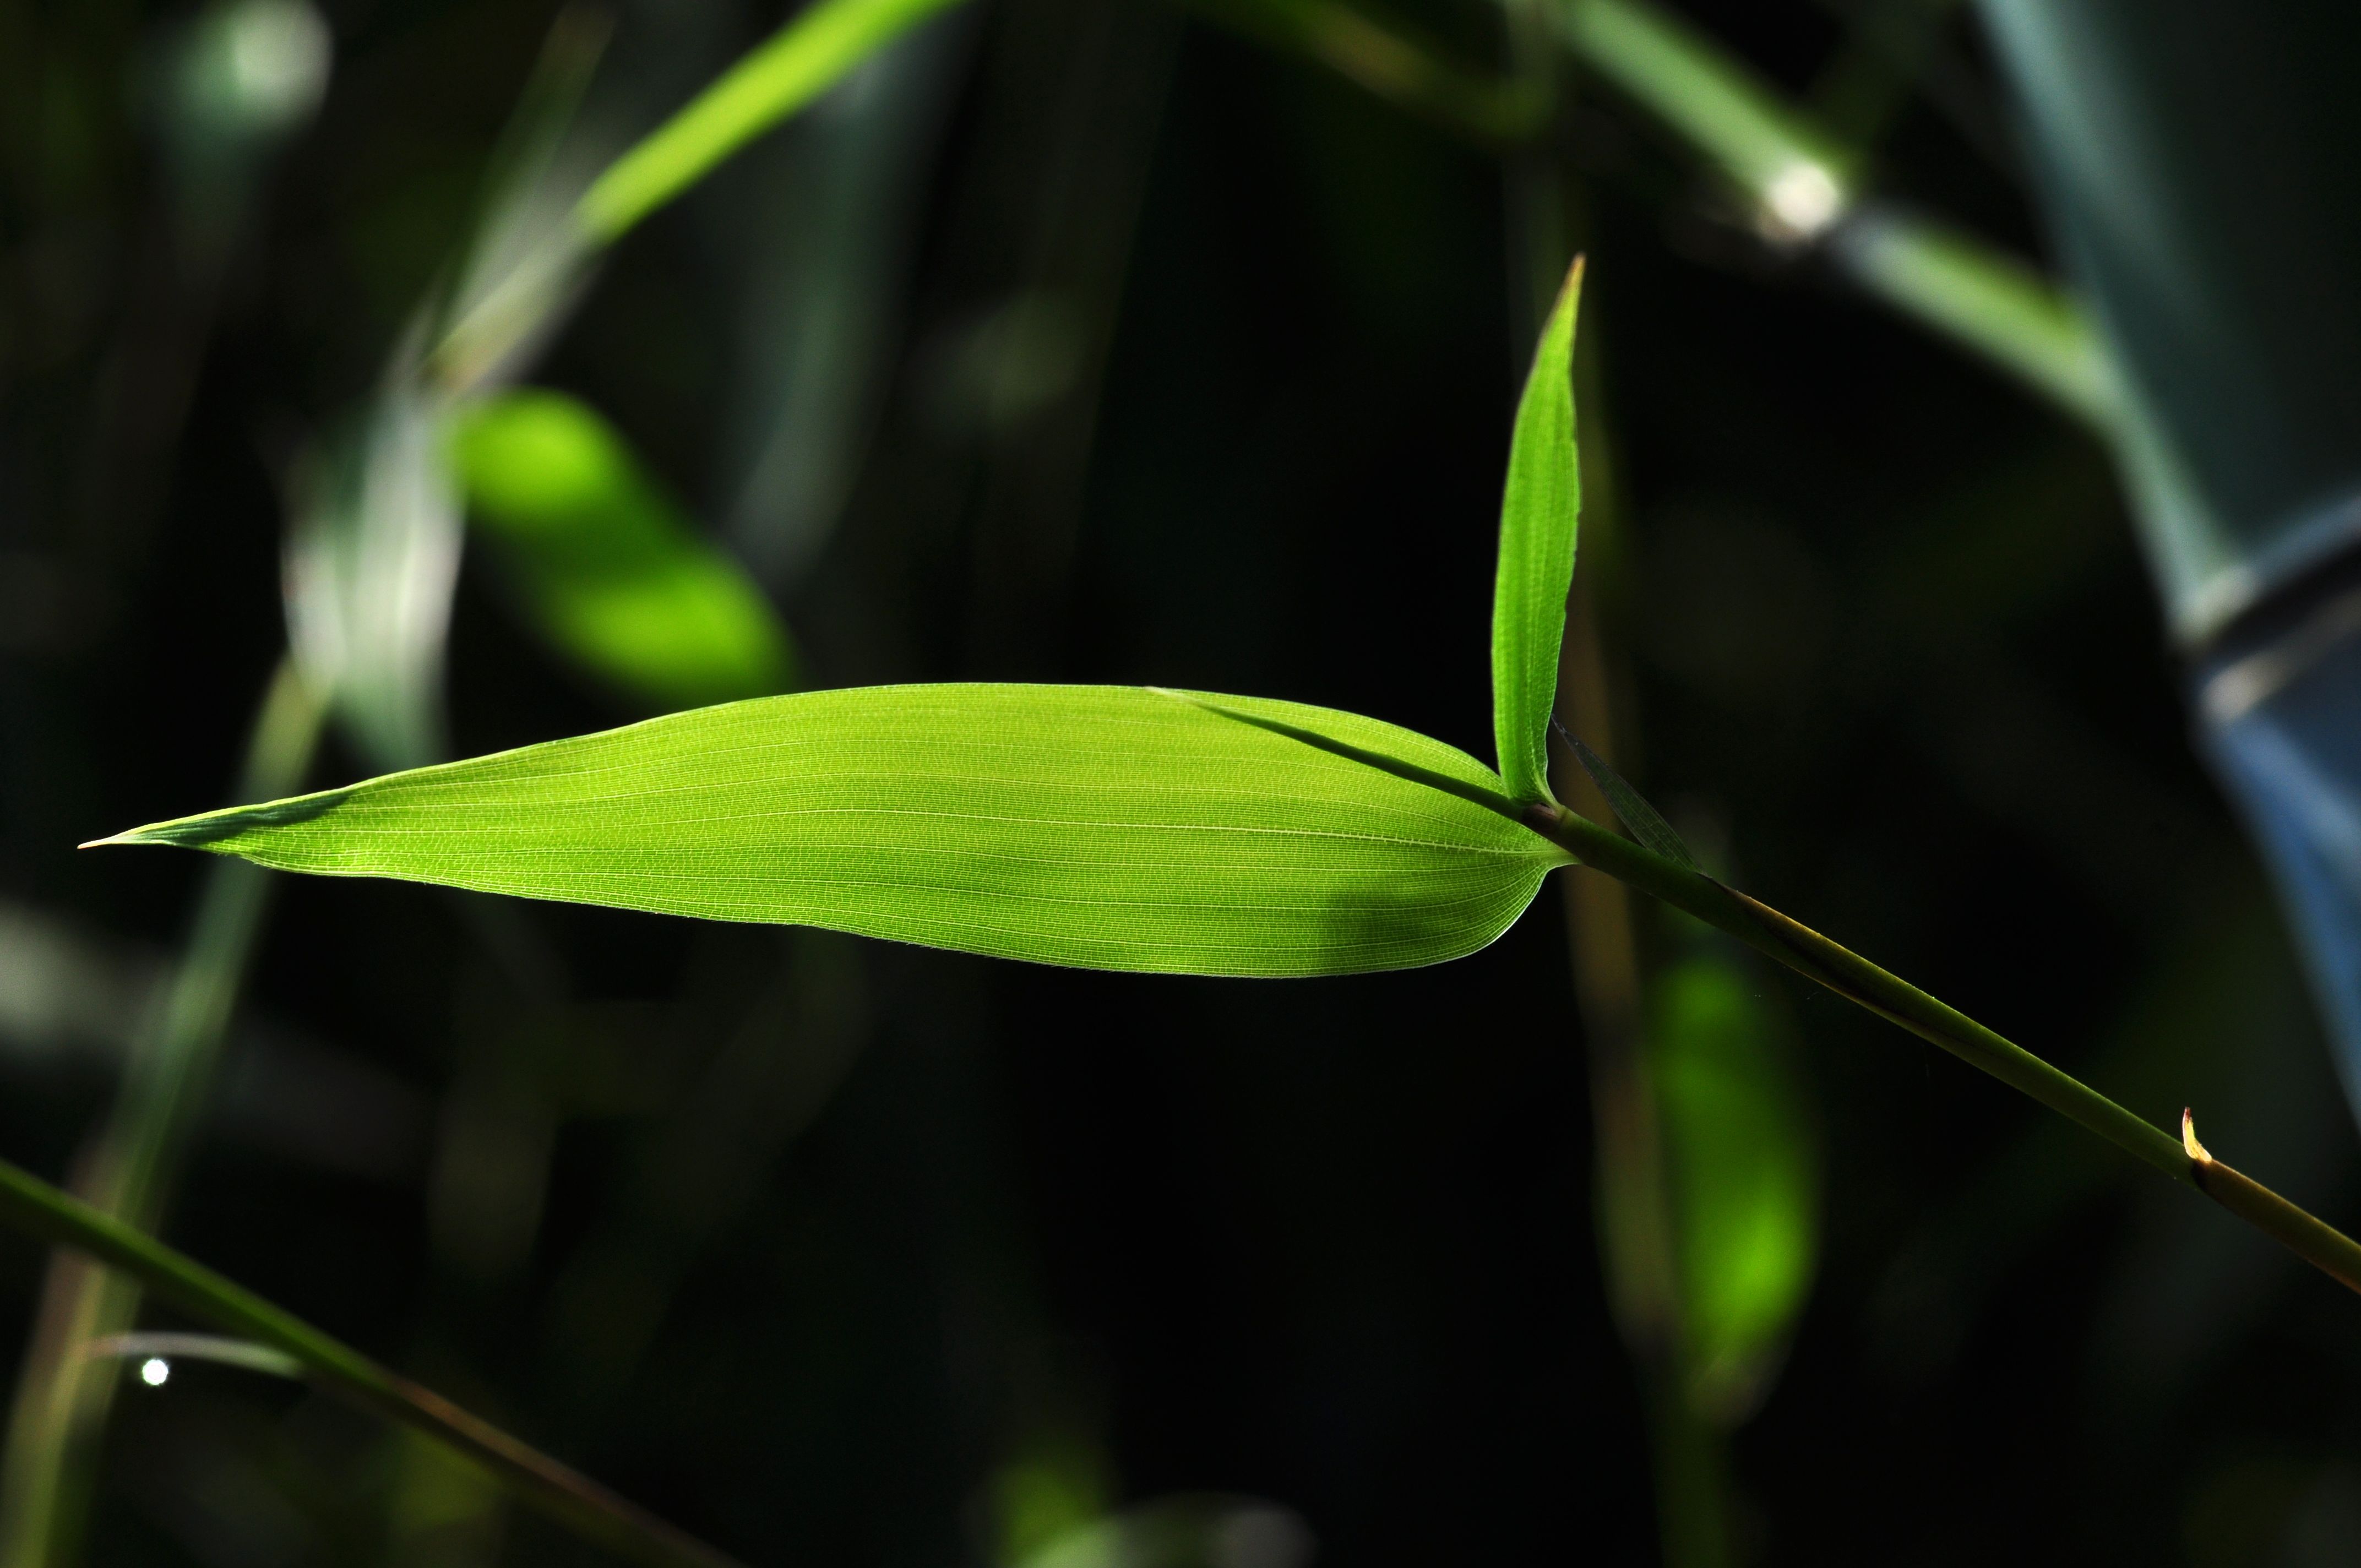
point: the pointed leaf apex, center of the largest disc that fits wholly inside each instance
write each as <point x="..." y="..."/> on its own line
<point x="1571" y="290"/>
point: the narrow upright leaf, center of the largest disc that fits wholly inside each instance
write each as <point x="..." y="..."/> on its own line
<point x="615" y="577"/>
<point x="1102" y="827"/>
<point x="1537" y="538"/>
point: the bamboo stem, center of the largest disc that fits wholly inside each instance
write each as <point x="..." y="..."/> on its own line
<point x="1856" y="979"/>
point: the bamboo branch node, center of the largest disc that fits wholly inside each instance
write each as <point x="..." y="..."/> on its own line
<point x="2198" y="1153"/>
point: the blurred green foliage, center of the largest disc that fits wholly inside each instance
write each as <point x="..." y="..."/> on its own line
<point x="606" y="566"/>
<point x="1745" y="1175"/>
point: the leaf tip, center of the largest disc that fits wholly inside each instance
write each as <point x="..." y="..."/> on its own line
<point x="1571" y="290"/>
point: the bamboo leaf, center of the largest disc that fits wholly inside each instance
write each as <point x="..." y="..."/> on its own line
<point x="1102" y="827"/>
<point x="1537" y="538"/>
<point x="372" y="557"/>
<point x="1745" y="1176"/>
<point x="608" y="567"/>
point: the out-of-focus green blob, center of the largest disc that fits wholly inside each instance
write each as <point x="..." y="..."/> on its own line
<point x="612" y="573"/>
<point x="1745" y="1176"/>
<point x="1057" y="1484"/>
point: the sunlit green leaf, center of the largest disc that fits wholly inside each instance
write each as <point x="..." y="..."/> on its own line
<point x="1105" y="827"/>
<point x="615" y="577"/>
<point x="1745" y="1176"/>
<point x="1537" y="535"/>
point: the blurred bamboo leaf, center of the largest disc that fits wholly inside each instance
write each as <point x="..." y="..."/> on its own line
<point x="834" y="231"/>
<point x="1054" y="1489"/>
<point x="1538" y="515"/>
<point x="609" y="569"/>
<point x="1213" y="1531"/>
<point x="1745" y="1176"/>
<point x="800" y="61"/>
<point x="524" y="262"/>
<point x="1099" y="827"/>
<point x="371" y="559"/>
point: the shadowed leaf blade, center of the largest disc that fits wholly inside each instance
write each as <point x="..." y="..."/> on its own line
<point x="1538" y="514"/>
<point x="1099" y="827"/>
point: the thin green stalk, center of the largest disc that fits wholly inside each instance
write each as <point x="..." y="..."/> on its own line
<point x="1802" y="185"/>
<point x="1985" y="300"/>
<point x="32" y="1206"/>
<point x="816" y="50"/>
<point x="799" y="62"/>
<point x="1797" y="176"/>
<point x="47" y="1471"/>
<point x="1856" y="979"/>
<point x="1692" y="1466"/>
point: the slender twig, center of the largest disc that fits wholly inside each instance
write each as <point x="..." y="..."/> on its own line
<point x="1856" y="979"/>
<point x="1799" y="182"/>
<point x="810" y="54"/>
<point x="218" y="1348"/>
<point x="39" y="1210"/>
<point x="1802" y="185"/>
<point x="130" y="1170"/>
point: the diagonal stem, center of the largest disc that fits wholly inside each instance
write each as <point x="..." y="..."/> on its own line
<point x="61" y="1401"/>
<point x="1850" y="975"/>
<point x="32" y="1206"/>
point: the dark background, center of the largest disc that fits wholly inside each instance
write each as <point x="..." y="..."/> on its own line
<point x="1890" y="652"/>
